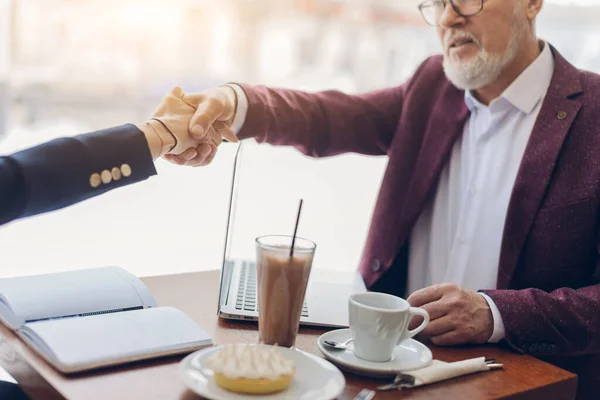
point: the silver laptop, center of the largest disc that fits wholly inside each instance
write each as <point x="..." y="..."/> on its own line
<point x="326" y="300"/>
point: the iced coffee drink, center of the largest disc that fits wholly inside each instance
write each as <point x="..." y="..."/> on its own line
<point x="282" y="281"/>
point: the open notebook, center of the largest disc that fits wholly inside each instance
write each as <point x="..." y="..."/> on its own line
<point x="86" y="319"/>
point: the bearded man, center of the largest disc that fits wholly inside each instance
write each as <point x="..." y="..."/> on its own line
<point x="487" y="215"/>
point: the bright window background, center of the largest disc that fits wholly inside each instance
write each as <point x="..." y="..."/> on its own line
<point x="74" y="66"/>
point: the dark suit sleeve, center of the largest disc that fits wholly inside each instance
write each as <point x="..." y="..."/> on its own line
<point x="59" y="173"/>
<point x="12" y="190"/>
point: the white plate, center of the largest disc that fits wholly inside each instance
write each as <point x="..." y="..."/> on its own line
<point x="409" y="355"/>
<point x="315" y="378"/>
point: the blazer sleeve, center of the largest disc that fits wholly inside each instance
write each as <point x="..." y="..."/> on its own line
<point x="564" y="322"/>
<point x="325" y="123"/>
<point x="65" y="171"/>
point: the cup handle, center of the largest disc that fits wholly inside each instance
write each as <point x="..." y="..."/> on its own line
<point x="416" y="311"/>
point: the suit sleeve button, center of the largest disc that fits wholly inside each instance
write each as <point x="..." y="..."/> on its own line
<point x="543" y="348"/>
<point x="95" y="180"/>
<point x="533" y="348"/>
<point x="116" y="174"/>
<point x="106" y="177"/>
<point x="126" y="170"/>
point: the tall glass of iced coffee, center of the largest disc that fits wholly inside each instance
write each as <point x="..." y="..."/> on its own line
<point x="282" y="281"/>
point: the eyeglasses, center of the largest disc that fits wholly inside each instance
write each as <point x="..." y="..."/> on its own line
<point x="433" y="10"/>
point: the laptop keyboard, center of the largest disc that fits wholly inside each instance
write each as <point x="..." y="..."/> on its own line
<point x="246" y="296"/>
<point x="247" y="299"/>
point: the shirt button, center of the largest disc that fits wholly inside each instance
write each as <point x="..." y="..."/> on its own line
<point x="376" y="265"/>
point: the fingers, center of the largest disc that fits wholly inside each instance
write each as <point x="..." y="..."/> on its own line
<point x="225" y="132"/>
<point x="451" y="338"/>
<point x="177" y="92"/>
<point x="205" y="152"/>
<point x="181" y="159"/>
<point x="424" y="296"/>
<point x="208" y="154"/>
<point x="209" y="110"/>
<point x="198" y="112"/>
<point x="439" y="326"/>
<point x="175" y="159"/>
<point x="436" y="309"/>
<point x="415" y="322"/>
<point x="209" y="157"/>
<point x="189" y="154"/>
<point x="192" y="157"/>
<point x="213" y="136"/>
<point x="431" y="294"/>
<point x="206" y="115"/>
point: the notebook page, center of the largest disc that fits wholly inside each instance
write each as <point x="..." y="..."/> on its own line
<point x="78" y="343"/>
<point x="70" y="293"/>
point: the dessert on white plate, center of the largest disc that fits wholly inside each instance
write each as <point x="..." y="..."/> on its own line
<point x="253" y="369"/>
<point x="314" y="378"/>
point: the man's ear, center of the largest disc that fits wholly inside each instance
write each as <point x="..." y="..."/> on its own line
<point x="533" y="8"/>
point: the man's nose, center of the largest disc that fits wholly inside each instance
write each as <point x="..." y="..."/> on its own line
<point x="450" y="18"/>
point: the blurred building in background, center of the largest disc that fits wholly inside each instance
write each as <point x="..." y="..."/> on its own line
<point x="70" y="66"/>
<point x="98" y="62"/>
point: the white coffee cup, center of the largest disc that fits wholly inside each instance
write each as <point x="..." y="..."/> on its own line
<point x="379" y="322"/>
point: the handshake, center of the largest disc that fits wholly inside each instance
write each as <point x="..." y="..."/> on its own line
<point x="186" y="129"/>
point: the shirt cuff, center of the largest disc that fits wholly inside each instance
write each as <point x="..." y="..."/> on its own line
<point x="498" y="333"/>
<point x="241" y="110"/>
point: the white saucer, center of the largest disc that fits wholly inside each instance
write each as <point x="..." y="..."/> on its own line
<point x="408" y="355"/>
<point x="315" y="378"/>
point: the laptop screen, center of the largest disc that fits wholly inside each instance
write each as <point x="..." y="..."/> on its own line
<point x="230" y="219"/>
<point x="268" y="181"/>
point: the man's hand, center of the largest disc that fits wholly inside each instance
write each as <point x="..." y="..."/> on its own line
<point x="458" y="316"/>
<point x="214" y="112"/>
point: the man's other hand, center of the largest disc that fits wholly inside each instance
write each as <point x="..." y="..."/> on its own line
<point x="457" y="316"/>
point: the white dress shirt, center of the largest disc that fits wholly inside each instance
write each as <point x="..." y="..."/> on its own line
<point x="458" y="236"/>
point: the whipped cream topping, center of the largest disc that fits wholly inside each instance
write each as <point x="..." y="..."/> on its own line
<point x="252" y="362"/>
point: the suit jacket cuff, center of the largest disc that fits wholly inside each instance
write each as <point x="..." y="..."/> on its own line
<point x="241" y="110"/>
<point x="65" y="171"/>
<point x="498" y="333"/>
<point x="12" y="190"/>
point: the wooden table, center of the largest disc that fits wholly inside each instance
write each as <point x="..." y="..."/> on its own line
<point x="195" y="294"/>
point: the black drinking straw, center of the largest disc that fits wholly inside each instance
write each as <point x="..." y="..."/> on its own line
<point x="296" y="229"/>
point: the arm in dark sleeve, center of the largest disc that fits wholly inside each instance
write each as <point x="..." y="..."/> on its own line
<point x="12" y="190"/>
<point x="65" y="171"/>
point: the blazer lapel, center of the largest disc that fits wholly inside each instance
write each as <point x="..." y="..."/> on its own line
<point x="550" y="130"/>
<point x="446" y="125"/>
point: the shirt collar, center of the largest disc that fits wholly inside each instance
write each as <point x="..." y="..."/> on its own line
<point x="529" y="88"/>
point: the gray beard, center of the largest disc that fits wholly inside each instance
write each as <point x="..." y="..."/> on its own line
<point x="486" y="67"/>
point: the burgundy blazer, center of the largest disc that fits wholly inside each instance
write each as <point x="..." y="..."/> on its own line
<point x="548" y="279"/>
